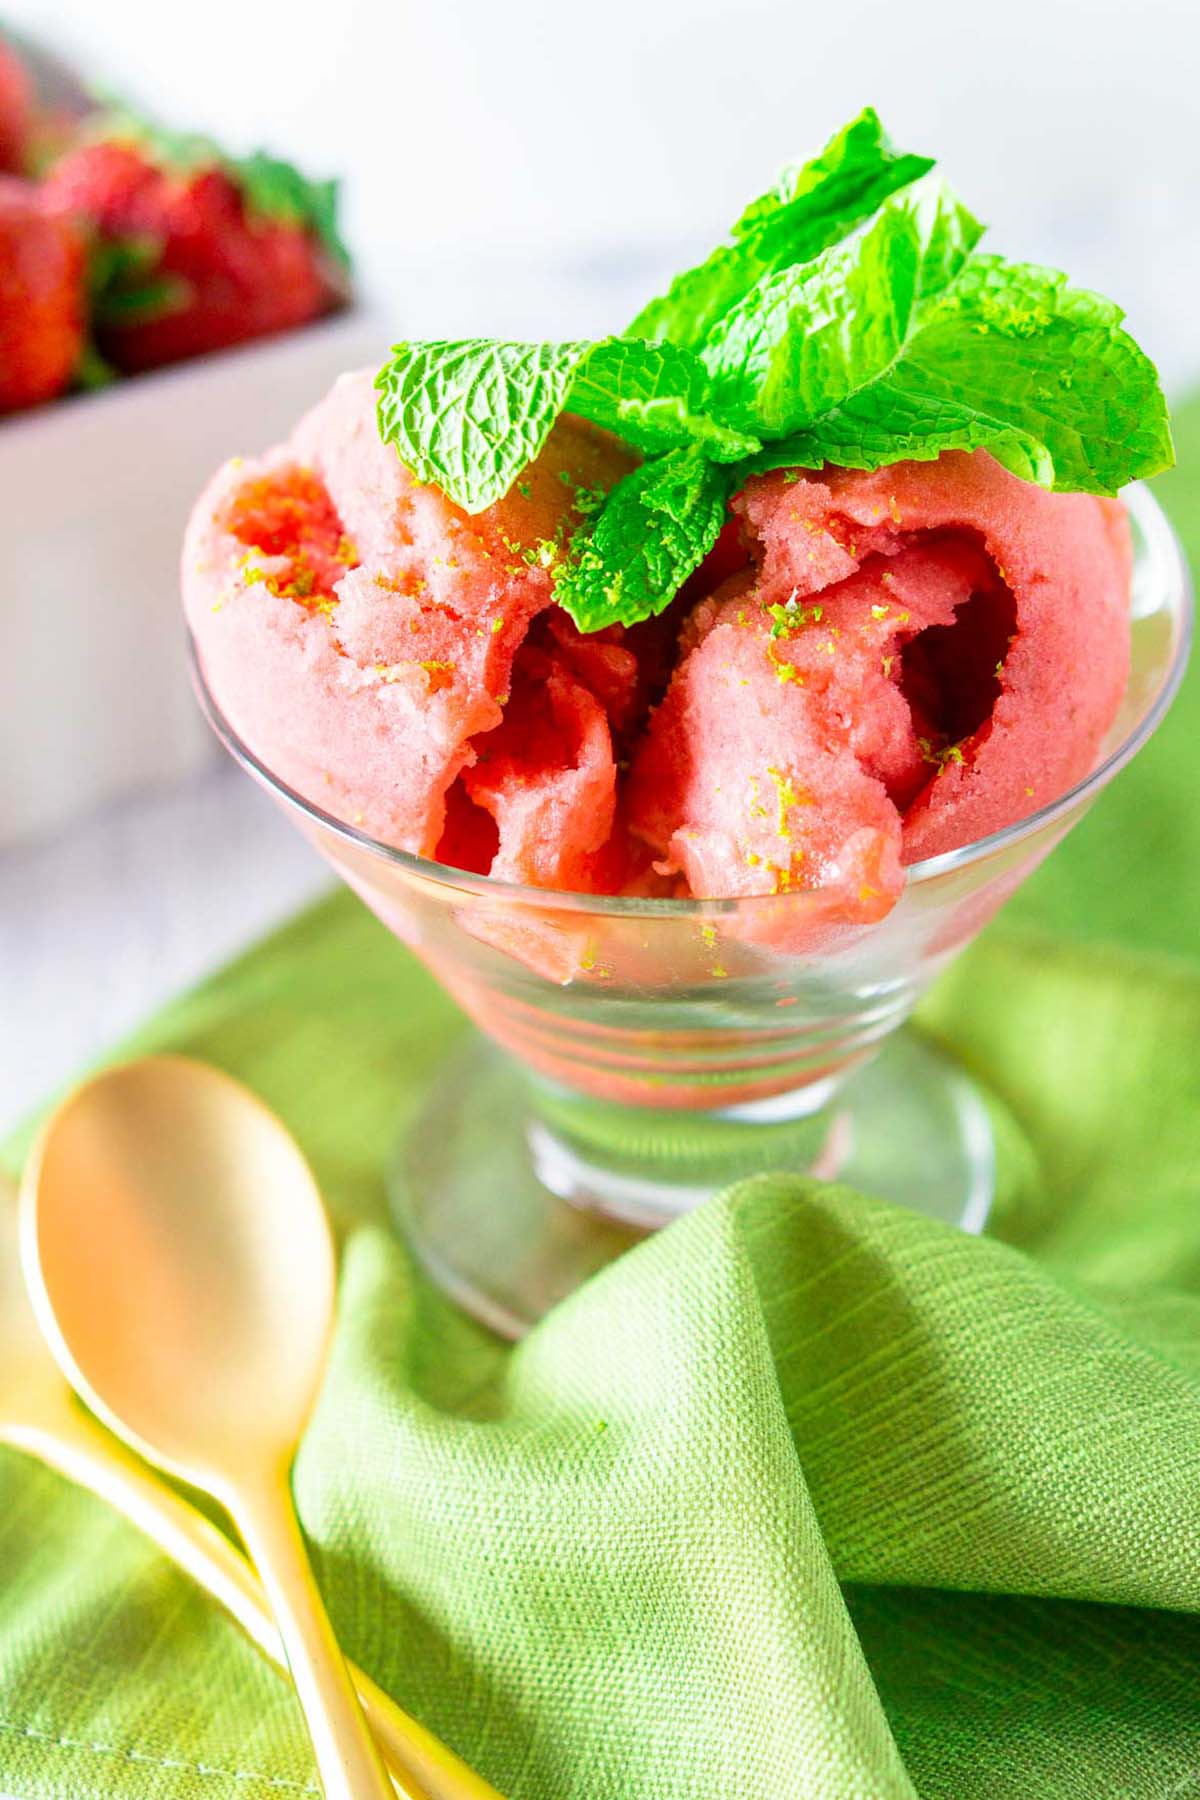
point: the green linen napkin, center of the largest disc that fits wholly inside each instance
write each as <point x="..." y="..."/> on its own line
<point x="805" y="1499"/>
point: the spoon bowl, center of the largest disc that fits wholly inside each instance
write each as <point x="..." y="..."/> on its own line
<point x="40" y="1416"/>
<point x="182" y="1270"/>
<point x="192" y="1293"/>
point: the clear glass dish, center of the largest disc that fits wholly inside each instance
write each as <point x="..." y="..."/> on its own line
<point x="638" y="1054"/>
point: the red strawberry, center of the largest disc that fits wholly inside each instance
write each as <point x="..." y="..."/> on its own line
<point x="16" y="110"/>
<point x="42" y="297"/>
<point x="196" y="264"/>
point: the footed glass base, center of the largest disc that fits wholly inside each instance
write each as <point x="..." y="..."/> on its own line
<point x="511" y="1192"/>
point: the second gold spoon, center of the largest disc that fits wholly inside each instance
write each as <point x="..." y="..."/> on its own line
<point x="180" y="1263"/>
<point x="40" y="1416"/>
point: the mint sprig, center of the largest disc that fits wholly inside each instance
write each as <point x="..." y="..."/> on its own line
<point x="657" y="525"/>
<point x="850" y="319"/>
<point x="655" y="396"/>
<point x="806" y="338"/>
<point x="1013" y="361"/>
<point x="813" y="205"/>
<point x="470" y="415"/>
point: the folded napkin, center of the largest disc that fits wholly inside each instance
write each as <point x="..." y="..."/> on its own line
<point x="807" y="1498"/>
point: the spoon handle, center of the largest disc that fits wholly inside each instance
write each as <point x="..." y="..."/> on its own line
<point x="348" y="1761"/>
<point x="422" y="1767"/>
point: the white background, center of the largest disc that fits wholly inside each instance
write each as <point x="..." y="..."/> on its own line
<point x="535" y="168"/>
<point x="596" y="137"/>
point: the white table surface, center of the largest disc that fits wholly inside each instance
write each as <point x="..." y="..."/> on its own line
<point x="102" y="923"/>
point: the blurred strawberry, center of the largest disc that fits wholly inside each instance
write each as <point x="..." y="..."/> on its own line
<point x="42" y="296"/>
<point x="16" y="110"/>
<point x="195" y="251"/>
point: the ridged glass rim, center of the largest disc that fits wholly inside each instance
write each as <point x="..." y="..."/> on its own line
<point x="1168" y="567"/>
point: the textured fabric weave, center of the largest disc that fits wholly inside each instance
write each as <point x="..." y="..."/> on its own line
<point x="805" y="1499"/>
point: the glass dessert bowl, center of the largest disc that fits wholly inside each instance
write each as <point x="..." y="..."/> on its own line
<point x="638" y="1054"/>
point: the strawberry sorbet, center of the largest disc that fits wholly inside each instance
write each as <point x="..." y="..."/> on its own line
<point x="869" y="669"/>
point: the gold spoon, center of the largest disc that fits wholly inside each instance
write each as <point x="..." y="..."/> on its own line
<point x="38" y="1415"/>
<point x="181" y="1268"/>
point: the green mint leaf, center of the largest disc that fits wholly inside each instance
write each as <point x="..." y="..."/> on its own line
<point x="812" y="205"/>
<point x="655" y="527"/>
<point x="849" y="319"/>
<point x="470" y="416"/>
<point x="655" y="396"/>
<point x="1012" y="360"/>
<point x="806" y="338"/>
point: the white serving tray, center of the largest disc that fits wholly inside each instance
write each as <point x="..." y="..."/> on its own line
<point x="94" y="495"/>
